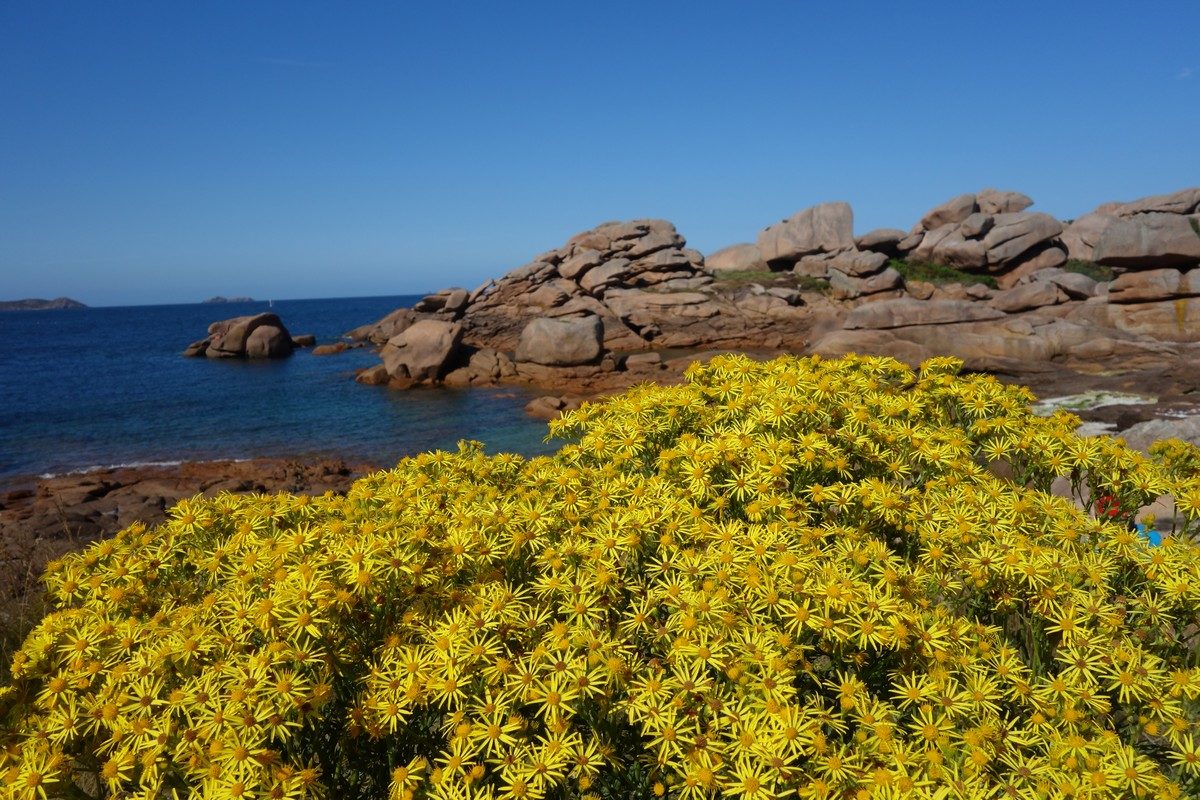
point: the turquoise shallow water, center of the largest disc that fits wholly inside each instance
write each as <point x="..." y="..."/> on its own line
<point x="106" y="386"/>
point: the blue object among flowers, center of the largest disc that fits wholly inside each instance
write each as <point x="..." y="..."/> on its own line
<point x="1152" y="535"/>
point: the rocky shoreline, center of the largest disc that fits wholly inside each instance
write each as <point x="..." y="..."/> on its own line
<point x="1107" y="303"/>
<point x="1111" y="292"/>
<point x="42" y="518"/>
<point x="1101" y="303"/>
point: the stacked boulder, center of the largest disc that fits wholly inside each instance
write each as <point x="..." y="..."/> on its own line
<point x="988" y="232"/>
<point x="257" y="336"/>
<point x="620" y="272"/>
<point x="1155" y="245"/>
<point x="819" y="242"/>
<point x="1154" y="232"/>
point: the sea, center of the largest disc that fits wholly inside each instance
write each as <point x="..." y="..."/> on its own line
<point x="82" y="389"/>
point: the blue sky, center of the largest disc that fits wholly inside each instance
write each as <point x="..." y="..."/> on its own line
<point x="168" y="151"/>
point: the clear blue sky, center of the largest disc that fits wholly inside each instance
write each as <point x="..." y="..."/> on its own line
<point x="168" y="151"/>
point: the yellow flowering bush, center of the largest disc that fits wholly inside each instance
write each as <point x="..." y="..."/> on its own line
<point x="810" y="578"/>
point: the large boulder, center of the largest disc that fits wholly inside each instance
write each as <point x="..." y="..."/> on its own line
<point x="561" y="342"/>
<point x="855" y="263"/>
<point x="268" y="341"/>
<point x="736" y="258"/>
<point x="995" y="201"/>
<point x="423" y="351"/>
<point x="1174" y="320"/>
<point x="1142" y="286"/>
<point x="956" y="209"/>
<point x="1014" y="234"/>
<point x="1185" y="201"/>
<point x="847" y="287"/>
<point x="256" y="336"/>
<point x="824" y="228"/>
<point x="905" y="311"/>
<point x="1149" y="240"/>
<point x="882" y="240"/>
<point x="1028" y="296"/>
<point x="391" y="325"/>
<point x="447" y="301"/>
<point x="1144" y="434"/>
<point x="1031" y="263"/>
<point x="1080" y="237"/>
<point x="1132" y="244"/>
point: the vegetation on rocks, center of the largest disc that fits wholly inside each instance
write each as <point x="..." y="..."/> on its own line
<point x="1091" y="269"/>
<point x="938" y="274"/>
<point x="736" y="276"/>
<point x="794" y="578"/>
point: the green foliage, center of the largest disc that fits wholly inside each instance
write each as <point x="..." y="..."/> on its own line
<point x="800" y="578"/>
<point x="938" y="274"/>
<point x="808" y="283"/>
<point x="1091" y="269"/>
<point x="804" y="283"/>
<point x="1195" y="224"/>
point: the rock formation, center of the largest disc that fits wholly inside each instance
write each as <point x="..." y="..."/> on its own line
<point x="257" y="336"/>
<point x="422" y="351"/>
<point x="1145" y="234"/>
<point x="590" y="315"/>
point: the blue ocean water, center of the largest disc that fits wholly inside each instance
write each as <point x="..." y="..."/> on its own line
<point x="103" y="386"/>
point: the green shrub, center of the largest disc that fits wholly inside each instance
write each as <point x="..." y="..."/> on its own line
<point x="938" y="274"/>
<point x="808" y="283"/>
<point x="1089" y="268"/>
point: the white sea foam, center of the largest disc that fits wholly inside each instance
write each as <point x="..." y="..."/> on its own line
<point x="127" y="465"/>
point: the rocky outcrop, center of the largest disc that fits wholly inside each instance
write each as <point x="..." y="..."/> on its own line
<point x="1147" y="241"/>
<point x="379" y="332"/>
<point x="447" y="301"/>
<point x="737" y="258"/>
<point x="257" y="336"/>
<point x="45" y="518"/>
<point x="1144" y="434"/>
<point x="1153" y="284"/>
<point x="423" y="352"/>
<point x="576" y="279"/>
<point x="585" y="313"/>
<point x="988" y="232"/>
<point x="1026" y="296"/>
<point x="906" y="311"/>
<point x="882" y="240"/>
<point x="825" y="228"/>
<point x="1145" y="234"/>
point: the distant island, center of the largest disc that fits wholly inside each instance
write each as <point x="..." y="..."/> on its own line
<point x="38" y="304"/>
<point x="220" y="299"/>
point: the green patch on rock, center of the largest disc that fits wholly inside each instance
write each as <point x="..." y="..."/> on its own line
<point x="938" y="274"/>
<point x="1089" y="268"/>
